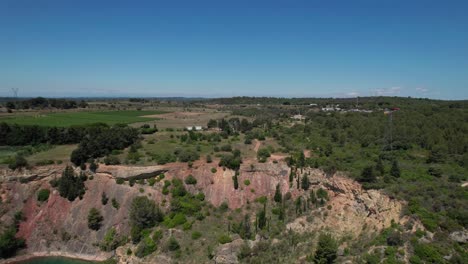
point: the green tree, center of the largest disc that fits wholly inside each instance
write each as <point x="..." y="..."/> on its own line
<point x="9" y="243"/>
<point x="94" y="219"/>
<point x="326" y="250"/>
<point x="305" y="182"/>
<point x="236" y="180"/>
<point x="43" y="195"/>
<point x="395" y="170"/>
<point x="277" y="196"/>
<point x="93" y="166"/>
<point x="368" y="175"/>
<point x="144" y="213"/>
<point x="70" y="186"/>
<point x="379" y="167"/>
<point x="173" y="244"/>
<point x="18" y="162"/>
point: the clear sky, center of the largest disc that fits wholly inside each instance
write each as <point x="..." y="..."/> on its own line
<point x="232" y="48"/>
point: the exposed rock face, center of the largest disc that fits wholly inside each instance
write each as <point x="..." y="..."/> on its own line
<point x="59" y="225"/>
<point x="131" y="172"/>
<point x="353" y="209"/>
<point x="227" y="253"/>
<point x="460" y="236"/>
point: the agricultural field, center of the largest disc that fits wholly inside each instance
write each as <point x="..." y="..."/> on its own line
<point x="65" y="119"/>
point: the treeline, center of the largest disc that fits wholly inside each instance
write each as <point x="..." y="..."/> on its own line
<point x="102" y="140"/>
<point x="41" y="103"/>
<point x="22" y="135"/>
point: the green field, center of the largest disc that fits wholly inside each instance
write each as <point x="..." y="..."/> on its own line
<point x="81" y="118"/>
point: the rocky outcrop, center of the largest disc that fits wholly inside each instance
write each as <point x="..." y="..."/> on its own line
<point x="131" y="172"/>
<point x="60" y="226"/>
<point x="460" y="236"/>
<point x="351" y="210"/>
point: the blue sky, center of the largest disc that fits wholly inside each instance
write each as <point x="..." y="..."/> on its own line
<point x="232" y="48"/>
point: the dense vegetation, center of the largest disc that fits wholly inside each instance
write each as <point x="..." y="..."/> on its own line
<point x="70" y="186"/>
<point x="41" y="103"/>
<point x="101" y="140"/>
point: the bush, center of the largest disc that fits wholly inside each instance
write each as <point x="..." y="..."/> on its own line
<point x="94" y="219"/>
<point x="326" y="249"/>
<point x="213" y="170"/>
<point x="247" y="182"/>
<point x="144" y="213"/>
<point x="119" y="180"/>
<point x="224" y="238"/>
<point x="43" y="195"/>
<point x="44" y="162"/>
<point x="190" y="180"/>
<point x="196" y="235"/>
<point x="104" y="198"/>
<point x="146" y="247"/>
<point x="173" y="244"/>
<point x="176" y="220"/>
<point x="9" y="243"/>
<point x="111" y="160"/>
<point x="115" y="204"/>
<point x="18" y="162"/>
<point x="263" y="154"/>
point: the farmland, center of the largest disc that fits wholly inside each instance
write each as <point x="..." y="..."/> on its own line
<point x="65" y="119"/>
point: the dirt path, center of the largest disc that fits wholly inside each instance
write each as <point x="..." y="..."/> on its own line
<point x="257" y="145"/>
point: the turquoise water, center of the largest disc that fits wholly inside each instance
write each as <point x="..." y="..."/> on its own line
<point x="54" y="260"/>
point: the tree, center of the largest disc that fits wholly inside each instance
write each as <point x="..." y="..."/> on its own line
<point x="261" y="218"/>
<point x="43" y="195"/>
<point x="69" y="185"/>
<point x="305" y="182"/>
<point x="379" y="167"/>
<point x="144" y="213"/>
<point x="367" y="175"/>
<point x="9" y="243"/>
<point x="93" y="166"/>
<point x="236" y="180"/>
<point x="277" y="196"/>
<point x="326" y="250"/>
<point x="104" y="198"/>
<point x="190" y="180"/>
<point x="94" y="219"/>
<point x="18" y="162"/>
<point x="395" y="170"/>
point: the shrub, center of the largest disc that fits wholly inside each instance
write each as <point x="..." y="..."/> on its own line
<point x="247" y="182"/>
<point x="214" y="170"/>
<point x="144" y="213"/>
<point x="190" y="180"/>
<point x="111" y="160"/>
<point x="151" y="181"/>
<point x="146" y="247"/>
<point x="196" y="235"/>
<point x="115" y="204"/>
<point x="104" y="198"/>
<point x="44" y="162"/>
<point x="224" y="238"/>
<point x="119" y="180"/>
<point x="43" y="195"/>
<point x="94" y="219"/>
<point x="263" y="154"/>
<point x="9" y="243"/>
<point x="173" y="244"/>
<point x="326" y="249"/>
<point x="18" y="162"/>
